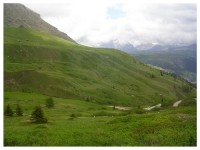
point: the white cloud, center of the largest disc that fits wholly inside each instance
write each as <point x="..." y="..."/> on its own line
<point x="94" y="22"/>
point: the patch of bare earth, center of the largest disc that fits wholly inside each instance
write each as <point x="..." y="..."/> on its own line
<point x="121" y="107"/>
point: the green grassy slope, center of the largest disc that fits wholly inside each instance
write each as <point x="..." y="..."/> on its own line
<point x="41" y="63"/>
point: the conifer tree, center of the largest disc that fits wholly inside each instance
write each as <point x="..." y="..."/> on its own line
<point x="49" y="102"/>
<point x="19" y="111"/>
<point x="38" y="116"/>
<point x="8" y="111"/>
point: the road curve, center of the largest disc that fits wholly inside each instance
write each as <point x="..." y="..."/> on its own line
<point x="177" y="103"/>
<point x="152" y="107"/>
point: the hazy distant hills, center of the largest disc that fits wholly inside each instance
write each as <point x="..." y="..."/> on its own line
<point x="171" y="48"/>
<point x="130" y="48"/>
<point x="19" y="16"/>
<point x="180" y="60"/>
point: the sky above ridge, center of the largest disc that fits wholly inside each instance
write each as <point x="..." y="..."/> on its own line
<point x="94" y="22"/>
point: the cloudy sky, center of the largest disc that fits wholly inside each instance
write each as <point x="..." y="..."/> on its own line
<point x="94" y="22"/>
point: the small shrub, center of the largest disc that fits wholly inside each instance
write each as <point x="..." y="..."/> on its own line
<point x="73" y="116"/>
<point x="103" y="108"/>
<point x="49" y="102"/>
<point x="38" y="116"/>
<point x="8" y="111"/>
<point x="19" y="111"/>
<point x="152" y="76"/>
<point x="161" y="73"/>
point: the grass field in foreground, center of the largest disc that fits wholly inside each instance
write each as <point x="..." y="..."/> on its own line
<point x="169" y="127"/>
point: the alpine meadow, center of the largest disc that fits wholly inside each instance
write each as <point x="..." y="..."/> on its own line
<point x="58" y="92"/>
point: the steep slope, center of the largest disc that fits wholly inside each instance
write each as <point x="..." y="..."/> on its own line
<point x="42" y="63"/>
<point x="19" y="16"/>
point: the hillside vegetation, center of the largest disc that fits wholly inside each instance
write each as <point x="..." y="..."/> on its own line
<point x="41" y="63"/>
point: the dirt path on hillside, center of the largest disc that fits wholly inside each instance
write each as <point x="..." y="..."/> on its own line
<point x="177" y="103"/>
<point x="152" y="107"/>
<point x="121" y="107"/>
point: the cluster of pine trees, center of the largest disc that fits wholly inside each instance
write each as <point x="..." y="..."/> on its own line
<point x="37" y="115"/>
<point x="9" y="112"/>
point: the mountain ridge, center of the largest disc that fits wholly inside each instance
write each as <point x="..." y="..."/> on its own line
<point x="19" y="16"/>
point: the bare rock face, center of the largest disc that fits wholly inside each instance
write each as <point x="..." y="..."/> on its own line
<point x="19" y="16"/>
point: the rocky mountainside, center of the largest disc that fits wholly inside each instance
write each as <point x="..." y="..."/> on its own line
<point x="19" y="16"/>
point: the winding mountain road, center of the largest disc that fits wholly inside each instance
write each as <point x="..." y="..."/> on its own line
<point x="121" y="107"/>
<point x="177" y="103"/>
<point x="152" y="107"/>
